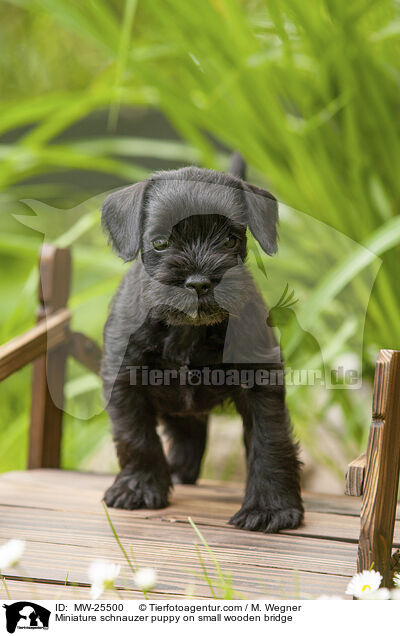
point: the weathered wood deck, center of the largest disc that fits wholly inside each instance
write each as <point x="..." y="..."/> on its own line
<point x="60" y="515"/>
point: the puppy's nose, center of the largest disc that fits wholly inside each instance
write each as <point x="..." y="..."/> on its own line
<point x="200" y="284"/>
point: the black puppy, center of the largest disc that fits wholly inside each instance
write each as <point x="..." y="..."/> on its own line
<point x="186" y="331"/>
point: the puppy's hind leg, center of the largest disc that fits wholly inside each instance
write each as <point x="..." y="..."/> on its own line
<point x="187" y="442"/>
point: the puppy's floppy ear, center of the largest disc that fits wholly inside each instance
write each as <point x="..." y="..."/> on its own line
<point x="121" y="217"/>
<point x="262" y="216"/>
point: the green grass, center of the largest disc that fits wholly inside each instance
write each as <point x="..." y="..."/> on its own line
<point x="307" y="92"/>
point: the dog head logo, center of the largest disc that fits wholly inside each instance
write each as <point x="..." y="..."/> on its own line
<point x="26" y="615"/>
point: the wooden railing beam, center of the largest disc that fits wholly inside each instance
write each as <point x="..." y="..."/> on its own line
<point x="45" y="336"/>
<point x="355" y="476"/>
<point x="85" y="351"/>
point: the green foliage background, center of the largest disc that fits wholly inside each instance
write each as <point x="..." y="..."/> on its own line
<point x="308" y="92"/>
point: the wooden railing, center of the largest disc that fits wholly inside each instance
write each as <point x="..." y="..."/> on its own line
<point x="374" y="475"/>
<point x="47" y="345"/>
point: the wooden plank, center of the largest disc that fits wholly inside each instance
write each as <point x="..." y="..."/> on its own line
<point x="208" y="504"/>
<point x="32" y="344"/>
<point x="206" y="490"/>
<point x="288" y="551"/>
<point x="54" y="590"/>
<point x="326" y="525"/>
<point x="355" y="476"/>
<point x="178" y="570"/>
<point x="71" y="480"/>
<point x="86" y="351"/>
<point x="62" y="494"/>
<point x="317" y="525"/>
<point x="49" y="369"/>
<point x="383" y="464"/>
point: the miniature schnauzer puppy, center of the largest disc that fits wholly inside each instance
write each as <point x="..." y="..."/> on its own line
<point x="186" y="328"/>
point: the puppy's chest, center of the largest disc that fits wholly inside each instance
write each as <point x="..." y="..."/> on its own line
<point x="191" y="347"/>
<point x="180" y="369"/>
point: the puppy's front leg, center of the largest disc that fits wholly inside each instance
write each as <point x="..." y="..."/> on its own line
<point x="144" y="480"/>
<point x="272" y="501"/>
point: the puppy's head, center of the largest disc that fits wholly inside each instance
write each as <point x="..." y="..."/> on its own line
<point x="190" y="227"/>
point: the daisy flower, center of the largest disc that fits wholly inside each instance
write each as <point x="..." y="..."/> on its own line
<point x="396" y="580"/>
<point x="146" y="578"/>
<point x="329" y="597"/>
<point x="383" y="594"/>
<point x="10" y="553"/>
<point x="364" y="583"/>
<point x="102" y="575"/>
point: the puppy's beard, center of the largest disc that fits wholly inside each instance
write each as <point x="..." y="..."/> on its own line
<point x="179" y="306"/>
<point x="174" y="317"/>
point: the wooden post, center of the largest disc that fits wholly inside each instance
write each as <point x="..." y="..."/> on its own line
<point x="382" y="469"/>
<point x="355" y="476"/>
<point x="49" y="369"/>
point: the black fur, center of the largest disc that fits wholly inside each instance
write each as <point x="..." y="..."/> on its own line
<point x="193" y="306"/>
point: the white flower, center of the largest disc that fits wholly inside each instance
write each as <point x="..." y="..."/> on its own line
<point x="102" y="575"/>
<point x="10" y="553"/>
<point x="363" y="583"/>
<point x="383" y="594"/>
<point x="395" y="594"/>
<point x="396" y="580"/>
<point x="327" y="597"/>
<point x="146" y="578"/>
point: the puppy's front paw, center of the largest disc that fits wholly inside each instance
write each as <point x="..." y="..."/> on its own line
<point x="136" y="491"/>
<point x="265" y="520"/>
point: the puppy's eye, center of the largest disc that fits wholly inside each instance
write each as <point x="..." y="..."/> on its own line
<point x="230" y="242"/>
<point x="160" y="244"/>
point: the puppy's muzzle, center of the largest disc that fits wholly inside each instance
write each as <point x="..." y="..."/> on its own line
<point x="199" y="284"/>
